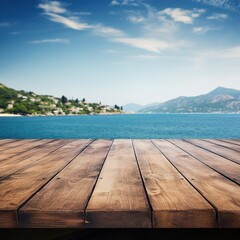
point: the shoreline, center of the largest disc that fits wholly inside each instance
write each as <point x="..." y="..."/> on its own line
<point x="10" y="115"/>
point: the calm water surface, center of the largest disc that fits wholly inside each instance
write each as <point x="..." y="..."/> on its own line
<point x="123" y="126"/>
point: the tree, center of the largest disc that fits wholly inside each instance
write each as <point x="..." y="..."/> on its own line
<point x="64" y="99"/>
<point x="116" y="107"/>
<point x="83" y="100"/>
<point x="77" y="101"/>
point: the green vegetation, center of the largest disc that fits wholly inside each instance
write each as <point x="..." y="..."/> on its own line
<point x="29" y="103"/>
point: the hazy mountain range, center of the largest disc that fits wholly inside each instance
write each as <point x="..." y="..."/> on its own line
<point x="220" y="100"/>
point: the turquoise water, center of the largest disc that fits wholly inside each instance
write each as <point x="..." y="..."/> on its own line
<point x="123" y="126"/>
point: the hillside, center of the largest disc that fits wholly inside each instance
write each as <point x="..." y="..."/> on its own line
<point x="220" y="100"/>
<point x="29" y="103"/>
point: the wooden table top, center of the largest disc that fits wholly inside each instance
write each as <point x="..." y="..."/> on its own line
<point x="120" y="183"/>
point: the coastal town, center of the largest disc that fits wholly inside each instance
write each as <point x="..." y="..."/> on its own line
<point x="25" y="103"/>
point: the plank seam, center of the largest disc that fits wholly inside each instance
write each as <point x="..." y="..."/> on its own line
<point x="203" y="162"/>
<point x="50" y="179"/>
<point x="227" y="141"/>
<point x="211" y="204"/>
<point x="94" y="186"/>
<point x="11" y="141"/>
<point x="209" y="141"/>
<point x="144" y="187"/>
<point x="2" y="178"/>
<point x="26" y="150"/>
<point x="211" y="151"/>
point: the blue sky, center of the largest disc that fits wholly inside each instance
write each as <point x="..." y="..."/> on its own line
<point x="120" y="51"/>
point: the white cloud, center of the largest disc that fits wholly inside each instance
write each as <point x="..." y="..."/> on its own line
<point x="146" y="57"/>
<point x="152" y="45"/>
<point x="136" y="19"/>
<point x="115" y="3"/>
<point x="181" y="15"/>
<point x="5" y="24"/>
<point x="225" y="4"/>
<point x="54" y="40"/>
<point x="107" y="31"/>
<point x="68" y="22"/>
<point x="52" y="6"/>
<point x="200" y="30"/>
<point x="218" y="16"/>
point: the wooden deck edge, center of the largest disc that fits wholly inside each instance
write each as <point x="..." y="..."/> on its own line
<point x="118" y="219"/>
<point x="8" y="219"/>
<point x="51" y="219"/>
<point x="205" y="218"/>
<point x="229" y="219"/>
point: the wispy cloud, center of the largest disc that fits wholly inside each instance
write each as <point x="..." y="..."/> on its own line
<point x="146" y="57"/>
<point x="134" y="3"/>
<point x="53" y="9"/>
<point x="200" y="30"/>
<point x="54" y="40"/>
<point x="115" y="3"/>
<point x="225" y="4"/>
<point x="52" y="6"/>
<point x="136" y="19"/>
<point x="68" y="22"/>
<point x="5" y="24"/>
<point x="181" y="15"/>
<point x="148" y="44"/>
<point x="218" y="16"/>
<point x="107" y="31"/>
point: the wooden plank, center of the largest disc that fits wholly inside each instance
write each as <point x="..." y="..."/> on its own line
<point x="61" y="203"/>
<point x="222" y="193"/>
<point x="224" y="152"/>
<point x="232" y="141"/>
<point x="224" y="144"/>
<point x="218" y="163"/>
<point x="25" y="146"/>
<point x="15" y="144"/>
<point x="174" y="201"/>
<point x="5" y="141"/>
<point x="19" y="187"/>
<point x="11" y="165"/>
<point x="119" y="198"/>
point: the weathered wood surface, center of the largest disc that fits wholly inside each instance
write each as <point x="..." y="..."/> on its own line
<point x="69" y="191"/>
<point x="119" y="199"/>
<point x="222" y="193"/>
<point x="174" y="201"/>
<point x="119" y="183"/>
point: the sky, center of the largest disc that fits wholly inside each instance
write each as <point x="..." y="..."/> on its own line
<point x="120" y="51"/>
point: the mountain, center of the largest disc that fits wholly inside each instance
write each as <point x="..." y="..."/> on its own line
<point x="29" y="103"/>
<point x="132" y="107"/>
<point x="220" y="100"/>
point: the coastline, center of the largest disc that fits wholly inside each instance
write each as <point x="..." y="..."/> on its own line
<point x="9" y="115"/>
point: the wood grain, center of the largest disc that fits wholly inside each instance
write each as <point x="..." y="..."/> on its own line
<point x="222" y="193"/>
<point x="5" y="141"/>
<point x="119" y="199"/>
<point x="233" y="141"/>
<point x="62" y="202"/>
<point x="224" y="144"/>
<point x="174" y="201"/>
<point x="227" y="168"/>
<point x="26" y="146"/>
<point x="11" y="165"/>
<point x="219" y="150"/>
<point x="19" y="187"/>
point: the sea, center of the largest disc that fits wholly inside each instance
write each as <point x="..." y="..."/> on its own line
<point x="122" y="126"/>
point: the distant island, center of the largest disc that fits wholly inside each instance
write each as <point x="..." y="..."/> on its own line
<point x="31" y="104"/>
<point x="220" y="100"/>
